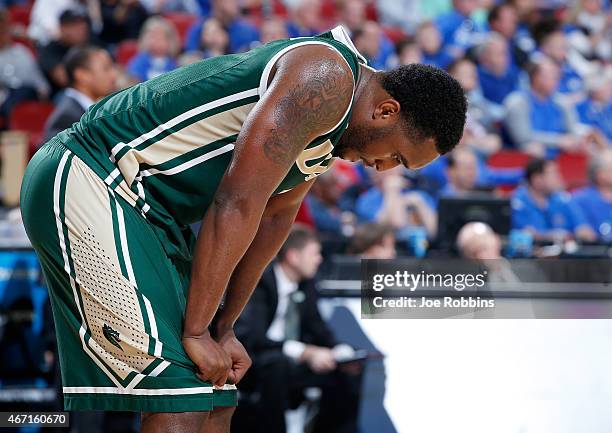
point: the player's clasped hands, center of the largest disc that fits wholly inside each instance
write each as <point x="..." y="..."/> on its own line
<point x="212" y="362"/>
<point x="240" y="358"/>
<point x="218" y="362"/>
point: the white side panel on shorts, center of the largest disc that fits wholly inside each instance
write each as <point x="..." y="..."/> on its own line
<point x="110" y="302"/>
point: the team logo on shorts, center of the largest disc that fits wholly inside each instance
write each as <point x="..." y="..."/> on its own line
<point x="111" y="335"/>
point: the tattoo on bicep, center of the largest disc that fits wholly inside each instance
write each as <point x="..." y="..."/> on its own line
<point x="315" y="104"/>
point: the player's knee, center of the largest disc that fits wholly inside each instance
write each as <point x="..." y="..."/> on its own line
<point x="164" y="422"/>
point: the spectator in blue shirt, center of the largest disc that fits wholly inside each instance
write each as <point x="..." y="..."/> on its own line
<point x="595" y="200"/>
<point x="304" y="18"/>
<point x="536" y="120"/>
<point x="480" y="110"/>
<point x="498" y="77"/>
<point x="214" y="40"/>
<point x="392" y="201"/>
<point x="552" y="42"/>
<point x="430" y="41"/>
<point x="542" y="207"/>
<point x="459" y="31"/>
<point x="354" y="19"/>
<point x="242" y="34"/>
<point x="327" y="207"/>
<point x="503" y="19"/>
<point x="469" y="173"/>
<point x="407" y="52"/>
<point x="367" y="42"/>
<point x="158" y="48"/>
<point x="273" y="29"/>
<point x="203" y="7"/>
<point x="596" y="110"/>
<point x="461" y="172"/>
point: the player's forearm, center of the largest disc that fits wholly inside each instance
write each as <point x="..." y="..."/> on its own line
<point x="218" y="250"/>
<point x="272" y="233"/>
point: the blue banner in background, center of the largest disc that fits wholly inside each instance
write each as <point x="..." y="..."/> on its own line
<point x="20" y="277"/>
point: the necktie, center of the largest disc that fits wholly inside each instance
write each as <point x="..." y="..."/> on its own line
<point x="292" y="319"/>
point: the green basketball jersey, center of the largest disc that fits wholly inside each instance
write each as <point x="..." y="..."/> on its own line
<point x="164" y="145"/>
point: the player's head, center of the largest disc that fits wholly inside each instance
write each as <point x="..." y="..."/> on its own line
<point x="409" y="115"/>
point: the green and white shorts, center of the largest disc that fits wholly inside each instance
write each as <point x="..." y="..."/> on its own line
<point x="118" y="301"/>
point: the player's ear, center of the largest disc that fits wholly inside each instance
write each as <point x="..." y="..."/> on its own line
<point x="386" y="109"/>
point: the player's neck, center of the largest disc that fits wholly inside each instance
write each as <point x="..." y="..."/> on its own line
<point x="365" y="77"/>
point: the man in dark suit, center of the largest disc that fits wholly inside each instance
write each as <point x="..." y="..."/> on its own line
<point x="292" y="348"/>
<point x="91" y="76"/>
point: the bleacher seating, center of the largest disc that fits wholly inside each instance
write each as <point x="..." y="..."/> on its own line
<point x="30" y="117"/>
<point x="182" y="23"/>
<point x="125" y="51"/>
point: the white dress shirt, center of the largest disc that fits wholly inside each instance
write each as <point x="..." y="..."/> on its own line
<point x="83" y="100"/>
<point x="276" y="332"/>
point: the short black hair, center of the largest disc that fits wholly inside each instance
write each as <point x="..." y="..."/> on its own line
<point x="534" y="167"/>
<point x="495" y="12"/>
<point x="455" y="63"/>
<point x="299" y="236"/>
<point x="544" y="28"/>
<point x="70" y="16"/>
<point x="76" y="58"/>
<point x="432" y="102"/>
<point x="407" y="42"/>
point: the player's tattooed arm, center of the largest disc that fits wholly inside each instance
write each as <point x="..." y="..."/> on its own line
<point x="313" y="104"/>
<point x="309" y="93"/>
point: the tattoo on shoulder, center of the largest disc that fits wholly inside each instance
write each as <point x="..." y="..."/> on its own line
<point x="316" y="103"/>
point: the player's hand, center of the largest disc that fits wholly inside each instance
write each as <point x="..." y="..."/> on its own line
<point x="240" y="358"/>
<point x="212" y="362"/>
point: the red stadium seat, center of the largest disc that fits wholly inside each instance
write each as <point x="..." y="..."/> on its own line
<point x="20" y="14"/>
<point x="304" y="216"/>
<point x="371" y="13"/>
<point x="573" y="168"/>
<point x="274" y="8"/>
<point x="182" y="22"/>
<point x="395" y="34"/>
<point x="508" y="159"/>
<point x="31" y="117"/>
<point x="278" y="8"/>
<point x="126" y="50"/>
<point x="328" y="10"/>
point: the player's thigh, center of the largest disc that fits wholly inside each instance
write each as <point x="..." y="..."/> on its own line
<point x="164" y="422"/>
<point x="219" y="420"/>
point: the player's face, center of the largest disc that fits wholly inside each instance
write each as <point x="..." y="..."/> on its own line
<point x="385" y="149"/>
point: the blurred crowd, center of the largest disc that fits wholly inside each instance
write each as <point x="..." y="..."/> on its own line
<point x="537" y="74"/>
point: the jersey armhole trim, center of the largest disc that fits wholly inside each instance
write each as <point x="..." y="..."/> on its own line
<point x="263" y="82"/>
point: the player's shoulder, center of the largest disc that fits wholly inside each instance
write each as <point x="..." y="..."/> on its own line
<point x="322" y="59"/>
